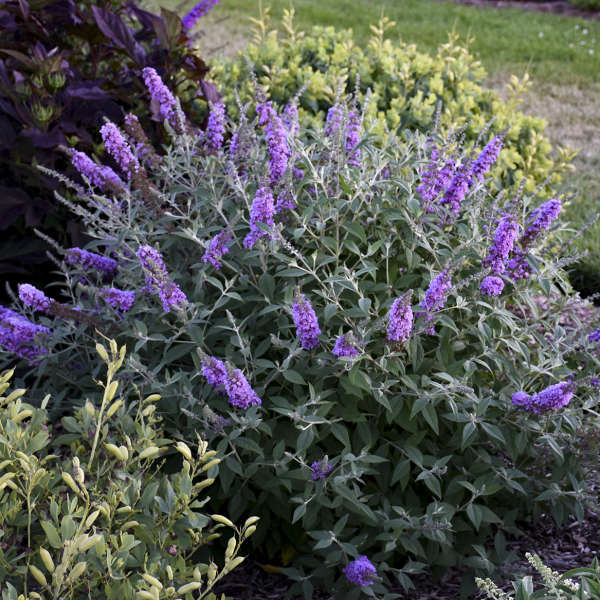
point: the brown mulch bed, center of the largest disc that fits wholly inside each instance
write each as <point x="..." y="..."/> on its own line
<point x="561" y="7"/>
<point x="561" y="548"/>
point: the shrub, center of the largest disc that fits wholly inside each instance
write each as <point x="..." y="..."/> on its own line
<point x="91" y="512"/>
<point x="64" y="66"/>
<point x="556" y="587"/>
<point x="312" y="301"/>
<point x="588" y="4"/>
<point x="404" y="88"/>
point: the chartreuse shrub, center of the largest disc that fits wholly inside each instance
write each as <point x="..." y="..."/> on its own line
<point x="555" y="586"/>
<point x="92" y="512"/>
<point x="374" y="339"/>
<point x="402" y="87"/>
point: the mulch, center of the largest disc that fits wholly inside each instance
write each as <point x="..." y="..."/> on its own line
<point x="561" y="7"/>
<point x="561" y="548"/>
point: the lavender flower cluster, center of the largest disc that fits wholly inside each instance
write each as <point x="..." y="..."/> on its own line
<point x="345" y="346"/>
<point x="552" y="398"/>
<point x="160" y="94"/>
<point x="215" y="128"/>
<point x="276" y="135"/>
<point x="236" y="386"/>
<point x="116" y="145"/>
<point x="20" y="336"/>
<point x="103" y="177"/>
<point x="400" y="319"/>
<point x="306" y="322"/>
<point x="157" y="278"/>
<point x="217" y="248"/>
<point x="320" y="469"/>
<point x="360" y="571"/>
<point x="262" y="212"/>
<point x="199" y="10"/>
<point x="89" y="260"/>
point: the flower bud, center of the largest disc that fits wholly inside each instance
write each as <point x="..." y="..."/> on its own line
<point x="130" y="524"/>
<point x="152" y="581"/>
<point x="204" y="483"/>
<point x="101" y="350"/>
<point x="251" y="521"/>
<point x="116" y="452"/>
<point x="189" y="587"/>
<point x="115" y="406"/>
<point x="152" y="398"/>
<point x="222" y="519"/>
<point x="149" y="452"/>
<point x="212" y="572"/>
<point x="184" y="449"/>
<point x="144" y="595"/>
<point x="124" y="452"/>
<point x="197" y="574"/>
<point x="77" y="571"/>
<point x="70" y="482"/>
<point x="248" y="532"/>
<point x="89" y="408"/>
<point x="208" y="465"/>
<point x="235" y="562"/>
<point x="231" y="544"/>
<point x="47" y="560"/>
<point x="90" y="520"/>
<point x="169" y="572"/>
<point x="38" y="575"/>
<point x="22" y="415"/>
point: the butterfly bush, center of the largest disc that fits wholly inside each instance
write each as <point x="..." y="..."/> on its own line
<point x="303" y="344"/>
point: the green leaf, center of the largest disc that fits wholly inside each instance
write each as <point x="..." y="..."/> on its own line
<point x="475" y="514"/>
<point x="51" y="534"/>
<point x="293" y="376"/>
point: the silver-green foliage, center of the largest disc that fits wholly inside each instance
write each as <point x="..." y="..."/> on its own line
<point x="428" y="455"/>
<point x="89" y="512"/>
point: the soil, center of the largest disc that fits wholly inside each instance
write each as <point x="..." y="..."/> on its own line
<point x="562" y="7"/>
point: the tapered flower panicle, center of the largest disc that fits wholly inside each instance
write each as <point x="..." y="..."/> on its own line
<point x="20" y="336"/>
<point x="120" y="299"/>
<point x="487" y="158"/>
<point x="262" y="212"/>
<point x="492" y="286"/>
<point x="540" y="219"/>
<point x="504" y="242"/>
<point x="334" y="119"/>
<point x="238" y="390"/>
<point x="214" y="371"/>
<point x="352" y="139"/>
<point x="360" y="571"/>
<point x="345" y="346"/>
<point x="400" y="319"/>
<point x="457" y="190"/>
<point x="435" y="296"/>
<point x="160" y="94"/>
<point x="117" y="146"/>
<point x="103" y="177"/>
<point x="34" y="298"/>
<point x="289" y="119"/>
<point x="552" y="398"/>
<point x="90" y="260"/>
<point x="192" y="17"/>
<point x="436" y="177"/>
<point x="215" y="129"/>
<point x="276" y="134"/>
<point x="305" y="319"/>
<point x="157" y="279"/>
<point x="217" y="248"/>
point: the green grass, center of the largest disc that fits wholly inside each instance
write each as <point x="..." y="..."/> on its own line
<point x="504" y="39"/>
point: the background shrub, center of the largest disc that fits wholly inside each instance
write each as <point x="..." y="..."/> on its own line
<point x="404" y="88"/>
<point x="589" y="4"/>
<point x="89" y="511"/>
<point x="64" y="66"/>
<point x="409" y="452"/>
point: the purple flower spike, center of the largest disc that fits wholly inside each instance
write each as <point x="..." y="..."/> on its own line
<point x="202" y="8"/>
<point x="103" y="177"/>
<point x="436" y="177"/>
<point x="89" y="260"/>
<point x="217" y="248"/>
<point x="34" y="298"/>
<point x="457" y="191"/>
<point x="540" y="219"/>
<point x="360" y="571"/>
<point x="552" y="398"/>
<point x="334" y="120"/>
<point x="161" y="94"/>
<point x="120" y="299"/>
<point x="504" y="242"/>
<point x="214" y="371"/>
<point x="239" y="391"/>
<point x="263" y="210"/>
<point x="215" y="129"/>
<point x="18" y="335"/>
<point x="157" y="278"/>
<point x="400" y="319"/>
<point x="352" y="139"/>
<point x="487" y="158"/>
<point x="435" y="296"/>
<point x="320" y="470"/>
<point x="118" y="148"/>
<point x="492" y="286"/>
<point x="594" y="336"/>
<point x="518" y="266"/>
<point x="276" y="134"/>
<point x="306" y="323"/>
<point x="344" y="346"/>
<point x="289" y="119"/>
